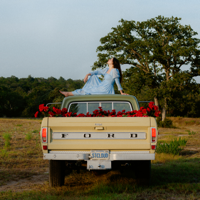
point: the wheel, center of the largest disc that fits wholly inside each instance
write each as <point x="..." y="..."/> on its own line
<point x="143" y="172"/>
<point x="56" y="173"/>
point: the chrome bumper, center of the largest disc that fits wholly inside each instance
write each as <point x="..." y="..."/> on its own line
<point x="85" y="155"/>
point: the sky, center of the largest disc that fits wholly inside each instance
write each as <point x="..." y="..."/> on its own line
<point x="59" y="38"/>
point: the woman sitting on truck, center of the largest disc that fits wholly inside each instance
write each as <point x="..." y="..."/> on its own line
<point x="95" y="86"/>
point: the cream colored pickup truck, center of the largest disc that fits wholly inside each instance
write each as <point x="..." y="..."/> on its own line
<point x="98" y="143"/>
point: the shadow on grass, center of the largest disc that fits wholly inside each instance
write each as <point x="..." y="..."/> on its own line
<point x="177" y="171"/>
<point x="178" y="177"/>
<point x="181" y="175"/>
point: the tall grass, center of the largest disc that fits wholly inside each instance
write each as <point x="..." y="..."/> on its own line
<point x="191" y="133"/>
<point x="167" y="123"/>
<point x="172" y="148"/>
<point x="35" y="131"/>
<point x="29" y="136"/>
<point x="7" y="138"/>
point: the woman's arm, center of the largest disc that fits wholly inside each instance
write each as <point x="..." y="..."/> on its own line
<point x="96" y="72"/>
<point x="86" y="77"/>
<point x="119" y="86"/>
<point x="123" y="93"/>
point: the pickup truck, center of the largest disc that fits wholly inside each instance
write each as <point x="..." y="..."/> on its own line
<point x="98" y="143"/>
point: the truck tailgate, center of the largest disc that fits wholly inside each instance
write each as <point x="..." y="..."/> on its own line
<point x="79" y="133"/>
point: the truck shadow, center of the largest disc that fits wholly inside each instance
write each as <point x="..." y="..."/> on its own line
<point x="183" y="171"/>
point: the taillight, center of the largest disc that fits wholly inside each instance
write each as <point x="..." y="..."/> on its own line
<point x="44" y="135"/>
<point x="153" y="134"/>
<point x="44" y="147"/>
<point x="153" y="147"/>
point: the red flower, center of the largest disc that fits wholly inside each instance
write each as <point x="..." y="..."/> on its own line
<point x="51" y="114"/>
<point x="157" y="113"/>
<point x="41" y="107"/>
<point x="144" y="111"/>
<point x="81" y="115"/>
<point x="155" y="108"/>
<point x="139" y="114"/>
<point x="119" y="113"/>
<point x="46" y="108"/>
<point x="100" y="109"/>
<point x="36" y="114"/>
<point x="69" y="114"/>
<point x="152" y="110"/>
<point x="57" y="111"/>
<point x="151" y="105"/>
<point x="64" y="110"/>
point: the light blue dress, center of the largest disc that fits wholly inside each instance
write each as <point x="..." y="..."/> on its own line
<point x="95" y="86"/>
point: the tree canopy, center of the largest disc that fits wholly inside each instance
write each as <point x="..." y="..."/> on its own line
<point x="157" y="50"/>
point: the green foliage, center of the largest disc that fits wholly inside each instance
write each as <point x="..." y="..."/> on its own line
<point x="4" y="153"/>
<point x="157" y="50"/>
<point x="35" y="131"/>
<point x="21" y="97"/>
<point x="11" y="101"/>
<point x="167" y="123"/>
<point x="29" y="136"/>
<point x="191" y="133"/>
<point x="7" y="138"/>
<point x="172" y="148"/>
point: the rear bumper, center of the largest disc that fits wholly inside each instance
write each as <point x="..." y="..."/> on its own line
<point x="85" y="155"/>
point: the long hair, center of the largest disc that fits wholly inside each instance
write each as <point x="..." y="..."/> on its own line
<point x="117" y="66"/>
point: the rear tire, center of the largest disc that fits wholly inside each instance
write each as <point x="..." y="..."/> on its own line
<point x="143" y="172"/>
<point x="56" y="173"/>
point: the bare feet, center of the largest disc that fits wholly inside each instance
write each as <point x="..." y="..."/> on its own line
<point x="64" y="93"/>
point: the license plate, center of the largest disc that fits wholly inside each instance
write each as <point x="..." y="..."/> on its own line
<point x="99" y="154"/>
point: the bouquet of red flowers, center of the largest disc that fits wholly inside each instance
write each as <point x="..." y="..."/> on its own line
<point x="150" y="111"/>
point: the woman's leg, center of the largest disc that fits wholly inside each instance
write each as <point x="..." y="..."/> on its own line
<point x="66" y="93"/>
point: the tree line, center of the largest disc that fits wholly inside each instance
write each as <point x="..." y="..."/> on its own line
<point x="20" y="97"/>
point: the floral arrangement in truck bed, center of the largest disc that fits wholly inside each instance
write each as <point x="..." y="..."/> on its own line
<point x="150" y="111"/>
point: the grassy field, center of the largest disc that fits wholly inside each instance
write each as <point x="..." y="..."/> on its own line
<point x="24" y="173"/>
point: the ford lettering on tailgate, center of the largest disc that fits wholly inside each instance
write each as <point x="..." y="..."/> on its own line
<point x="99" y="154"/>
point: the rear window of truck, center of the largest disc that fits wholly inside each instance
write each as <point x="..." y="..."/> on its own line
<point x="84" y="107"/>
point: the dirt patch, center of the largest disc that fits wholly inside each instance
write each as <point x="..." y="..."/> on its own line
<point x="25" y="184"/>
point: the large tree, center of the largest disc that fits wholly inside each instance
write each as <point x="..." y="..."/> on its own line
<point x="156" y="49"/>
